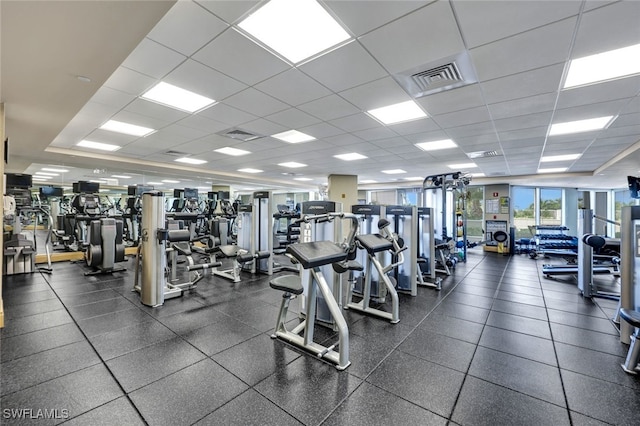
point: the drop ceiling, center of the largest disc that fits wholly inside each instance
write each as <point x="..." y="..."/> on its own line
<point x="518" y="52"/>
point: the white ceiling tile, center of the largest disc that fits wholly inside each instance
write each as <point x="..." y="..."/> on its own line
<point x="343" y="68"/>
<point x="130" y="81"/>
<point x="607" y="91"/>
<point x="419" y="126"/>
<point x="229" y="10"/>
<point x="227" y="114"/>
<point x="329" y="107"/>
<point x="157" y="111"/>
<point x="375" y="133"/>
<point x="537" y="132"/>
<point x="99" y="135"/>
<point x="529" y="83"/>
<point x="486" y="21"/>
<point x="201" y="79"/>
<point x="464" y="97"/>
<point x="523" y="121"/>
<point x="435" y="135"/>
<point x="467" y="116"/>
<point x="403" y="43"/>
<point x="253" y="65"/>
<point x="263" y="127"/>
<point x="139" y="119"/>
<point x="356" y="122"/>
<point x="344" y="139"/>
<point x="589" y="111"/>
<point x="523" y="106"/>
<point x="112" y="97"/>
<point x="153" y="59"/>
<point x="255" y="102"/>
<point x="376" y="94"/>
<point x="533" y="49"/>
<point x="621" y="131"/>
<point x="607" y="28"/>
<point x="293" y="118"/>
<point x="293" y="87"/>
<point x="198" y="121"/>
<point x="202" y="25"/>
<point x="624" y="120"/>
<point x="476" y="129"/>
<point x="321" y="130"/>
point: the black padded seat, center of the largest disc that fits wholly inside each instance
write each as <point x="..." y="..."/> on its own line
<point x="349" y="265"/>
<point x="182" y="248"/>
<point x="632" y="317"/>
<point x="228" y="250"/>
<point x="317" y="253"/>
<point x="287" y="283"/>
<point x="374" y="243"/>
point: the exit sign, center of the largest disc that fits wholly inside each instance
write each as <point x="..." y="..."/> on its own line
<point x="495" y="194"/>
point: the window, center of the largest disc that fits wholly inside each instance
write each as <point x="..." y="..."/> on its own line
<point x="524" y="210"/>
<point x="621" y="199"/>
<point x="475" y="213"/>
<point x="550" y="206"/>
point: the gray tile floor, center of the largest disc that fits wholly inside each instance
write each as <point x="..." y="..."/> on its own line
<point x="499" y="345"/>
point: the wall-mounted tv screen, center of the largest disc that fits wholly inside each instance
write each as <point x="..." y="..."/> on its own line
<point x="50" y="191"/>
<point x="190" y="193"/>
<point x="634" y="186"/>
<point x="18" y="180"/>
<point x="138" y="190"/>
<point x="84" y="187"/>
<point x="178" y="193"/>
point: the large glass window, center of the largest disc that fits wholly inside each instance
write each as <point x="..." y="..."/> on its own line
<point x="621" y="199"/>
<point x="550" y="206"/>
<point x="475" y="201"/>
<point x="524" y="210"/>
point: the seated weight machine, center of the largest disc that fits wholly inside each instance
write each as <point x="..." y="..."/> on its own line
<point x="106" y="246"/>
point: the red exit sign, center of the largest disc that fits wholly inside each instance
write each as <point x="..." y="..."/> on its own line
<point x="495" y="194"/>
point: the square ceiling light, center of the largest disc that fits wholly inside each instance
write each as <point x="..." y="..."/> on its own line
<point x="296" y="29"/>
<point x="46" y="174"/>
<point x="51" y="169"/>
<point x="189" y="160"/>
<point x="398" y="113"/>
<point x="170" y="181"/>
<point x="292" y="165"/>
<point x="303" y="179"/>
<point x="436" y="145"/>
<point x="98" y="145"/>
<point x="293" y="136"/>
<point x="368" y="181"/>
<point x="462" y="166"/>
<point x="579" y="126"/>
<point x="394" y="171"/>
<point x="231" y="151"/>
<point x="155" y="183"/>
<point x="603" y="66"/>
<point x="121" y="176"/>
<point x="126" y="128"/>
<point x="553" y="170"/>
<point x="250" y="170"/>
<point x="176" y="97"/>
<point x="554" y="158"/>
<point x="350" y="156"/>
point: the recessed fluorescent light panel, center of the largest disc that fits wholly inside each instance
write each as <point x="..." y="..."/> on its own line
<point x="250" y="170"/>
<point x="296" y="29"/>
<point x="176" y="97"/>
<point x="414" y="178"/>
<point x="121" y="176"/>
<point x="292" y="165"/>
<point x="604" y="66"/>
<point x="51" y="169"/>
<point x="398" y="113"/>
<point x="394" y="171"/>
<point x="553" y="170"/>
<point x="477" y="174"/>
<point x="155" y="183"/>
<point x="350" y="157"/>
<point x="580" y="126"/>
<point x="170" y="181"/>
<point x="293" y="136"/>
<point x="232" y="151"/>
<point x="126" y="128"/>
<point x="462" y="166"/>
<point x="553" y="158"/>
<point x="368" y="181"/>
<point x="189" y="160"/>
<point x="42" y="178"/>
<point x="303" y="179"/>
<point x="98" y="145"/>
<point x="46" y="174"/>
<point x="436" y="145"/>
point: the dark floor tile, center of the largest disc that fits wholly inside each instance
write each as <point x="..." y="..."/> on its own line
<point x="366" y="353"/>
<point x="580" y="306"/>
<point x="371" y="405"/>
<point x="262" y="317"/>
<point x="72" y="394"/>
<point x="117" y="412"/>
<point x="137" y="369"/>
<point x="19" y="311"/>
<point x="38" y="341"/>
<point x="562" y="295"/>
<point x="521" y="289"/>
<point x="588" y="339"/>
<point x="578" y="419"/>
<point x="35" y="322"/>
<point x="596" y="364"/>
<point x="522" y="345"/>
<point x="250" y="408"/>
<point x="90" y="297"/>
<point x="256" y="358"/>
<point x="113" y="321"/>
<point x="465" y="312"/>
<point x="520" y="298"/>
<point x="385" y="332"/>
<point x="193" y="319"/>
<point x="487" y="284"/>
<point x="519" y="324"/>
<point x="188" y="395"/>
<point x="100" y="308"/>
<point x="171" y="306"/>
<point x="521" y="281"/>
<point x="80" y="289"/>
<point x="455" y="328"/>
<point x="470" y="299"/>
<point x="601" y="400"/>
<point x="16" y="298"/>
<point x="308" y="389"/>
<point x="219" y="336"/>
<point x="535" y="379"/>
<point x="475" y="290"/>
<point x="520" y="309"/>
<point x="602" y="325"/>
<point x="483" y="403"/>
<point x="43" y="366"/>
<point x="439" y="349"/>
<point x="424" y="383"/>
<point x="124" y="340"/>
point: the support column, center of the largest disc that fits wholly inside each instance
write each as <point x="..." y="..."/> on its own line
<point x="344" y="189"/>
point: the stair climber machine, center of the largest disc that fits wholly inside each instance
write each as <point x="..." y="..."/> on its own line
<point x="315" y="258"/>
<point x="106" y="246"/>
<point x="85" y="207"/>
<point x="156" y="260"/>
<point x="426" y="250"/>
<point x="404" y="223"/>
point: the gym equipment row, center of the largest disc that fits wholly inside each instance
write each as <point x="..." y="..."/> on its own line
<point x="630" y="286"/>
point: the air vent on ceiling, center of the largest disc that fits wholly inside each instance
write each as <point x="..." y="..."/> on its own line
<point x="444" y="74"/>
<point x="176" y="153"/>
<point x="483" y="154"/>
<point x="241" y="135"/>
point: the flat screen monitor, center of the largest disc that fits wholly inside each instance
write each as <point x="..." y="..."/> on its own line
<point x="190" y="193"/>
<point x="50" y="191"/>
<point x="178" y="193"/>
<point x="634" y="186"/>
<point x="138" y="190"/>
<point x="18" y="180"/>
<point x="212" y="195"/>
<point x="84" y="187"/>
